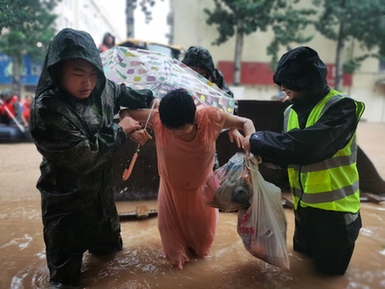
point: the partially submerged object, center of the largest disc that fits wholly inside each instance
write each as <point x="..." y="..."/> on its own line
<point x="141" y="212"/>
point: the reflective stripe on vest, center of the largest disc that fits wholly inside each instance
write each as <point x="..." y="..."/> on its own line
<point x="332" y="184"/>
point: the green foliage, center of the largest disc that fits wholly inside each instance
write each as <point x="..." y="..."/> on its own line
<point x="360" y="21"/>
<point x="241" y="16"/>
<point x="9" y="12"/>
<point x="249" y="16"/>
<point x="288" y="25"/>
<point x="145" y="6"/>
<point x="27" y="23"/>
<point x="351" y="65"/>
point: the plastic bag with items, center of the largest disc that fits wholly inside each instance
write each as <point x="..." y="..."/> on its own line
<point x="262" y="226"/>
<point x="227" y="188"/>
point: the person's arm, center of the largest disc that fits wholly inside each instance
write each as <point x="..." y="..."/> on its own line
<point x="129" y="125"/>
<point x="310" y="145"/>
<point x="236" y="136"/>
<point x="130" y="97"/>
<point x="234" y="122"/>
<point x="140" y="115"/>
<point x="67" y="144"/>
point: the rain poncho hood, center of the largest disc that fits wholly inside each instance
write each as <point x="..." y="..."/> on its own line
<point x="301" y="69"/>
<point x="69" y="44"/>
<point x="201" y="57"/>
<point x="77" y="139"/>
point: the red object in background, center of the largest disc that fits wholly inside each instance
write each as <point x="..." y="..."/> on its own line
<point x="260" y="73"/>
<point x="347" y="78"/>
<point x="7" y="107"/>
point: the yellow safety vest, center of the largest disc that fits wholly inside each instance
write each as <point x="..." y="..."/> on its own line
<point x="332" y="184"/>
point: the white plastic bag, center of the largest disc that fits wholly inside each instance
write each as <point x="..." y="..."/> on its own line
<point x="262" y="226"/>
<point x="227" y="188"/>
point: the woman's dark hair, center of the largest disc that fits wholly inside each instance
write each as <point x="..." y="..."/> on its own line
<point x="106" y="35"/>
<point x="177" y="108"/>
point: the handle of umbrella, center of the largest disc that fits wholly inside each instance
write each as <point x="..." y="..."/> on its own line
<point x="127" y="172"/>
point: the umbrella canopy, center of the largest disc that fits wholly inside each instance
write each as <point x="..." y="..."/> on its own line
<point x="160" y="73"/>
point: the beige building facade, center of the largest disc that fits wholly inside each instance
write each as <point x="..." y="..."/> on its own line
<point x="189" y="28"/>
<point x="94" y="16"/>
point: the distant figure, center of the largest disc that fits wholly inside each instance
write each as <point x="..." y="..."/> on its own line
<point x="199" y="59"/>
<point x="108" y="42"/>
<point x="26" y="107"/>
<point x="10" y="111"/>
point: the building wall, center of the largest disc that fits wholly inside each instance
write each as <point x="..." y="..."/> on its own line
<point x="94" y="16"/>
<point x="190" y="28"/>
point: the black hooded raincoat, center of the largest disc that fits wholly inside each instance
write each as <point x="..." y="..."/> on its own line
<point x="327" y="236"/>
<point x="201" y="57"/>
<point x="77" y="139"/>
<point x="312" y="144"/>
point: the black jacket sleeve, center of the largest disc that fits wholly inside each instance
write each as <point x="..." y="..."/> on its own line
<point x="132" y="98"/>
<point x="312" y="144"/>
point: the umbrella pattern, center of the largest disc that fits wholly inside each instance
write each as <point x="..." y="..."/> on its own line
<point x="139" y="68"/>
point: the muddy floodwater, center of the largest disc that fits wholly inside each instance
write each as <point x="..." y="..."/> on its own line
<point x="140" y="264"/>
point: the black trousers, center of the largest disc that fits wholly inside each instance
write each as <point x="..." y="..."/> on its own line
<point x="68" y="237"/>
<point x="326" y="236"/>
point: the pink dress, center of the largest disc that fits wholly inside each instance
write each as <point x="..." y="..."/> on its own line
<point x="186" y="224"/>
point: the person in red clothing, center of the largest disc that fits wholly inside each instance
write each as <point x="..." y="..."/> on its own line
<point x="26" y="107"/>
<point x="108" y="42"/>
<point x="185" y="144"/>
<point x="10" y="111"/>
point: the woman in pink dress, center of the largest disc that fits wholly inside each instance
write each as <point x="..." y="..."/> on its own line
<point x="185" y="142"/>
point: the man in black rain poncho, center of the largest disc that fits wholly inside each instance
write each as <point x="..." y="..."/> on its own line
<point x="72" y="125"/>
<point x="319" y="148"/>
<point x="199" y="59"/>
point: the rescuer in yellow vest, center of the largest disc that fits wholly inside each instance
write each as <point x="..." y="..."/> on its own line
<point x="318" y="147"/>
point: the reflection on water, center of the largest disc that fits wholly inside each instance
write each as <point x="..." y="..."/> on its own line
<point x="140" y="264"/>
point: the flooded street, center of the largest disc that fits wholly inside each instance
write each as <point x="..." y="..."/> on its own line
<point x="140" y="264"/>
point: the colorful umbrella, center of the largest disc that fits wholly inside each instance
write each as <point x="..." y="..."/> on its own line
<point x="156" y="71"/>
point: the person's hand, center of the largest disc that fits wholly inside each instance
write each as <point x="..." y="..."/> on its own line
<point x="129" y="124"/>
<point x="246" y="145"/>
<point x="140" y="136"/>
<point x="235" y="135"/>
